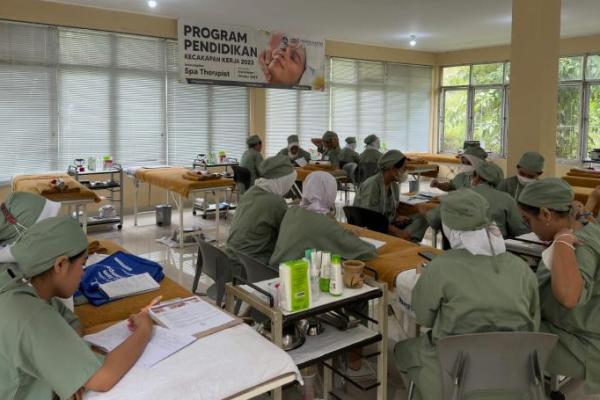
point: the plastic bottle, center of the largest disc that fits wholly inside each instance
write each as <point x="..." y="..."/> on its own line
<point x="336" y="281"/>
<point x="324" y="279"/>
<point x="315" y="268"/>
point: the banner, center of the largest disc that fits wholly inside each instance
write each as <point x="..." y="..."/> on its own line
<point x="226" y="55"/>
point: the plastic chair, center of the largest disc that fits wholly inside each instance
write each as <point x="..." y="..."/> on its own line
<point x="507" y="361"/>
<point x="214" y="263"/>
<point x="366" y="218"/>
<point x="256" y="271"/>
<point x="366" y="170"/>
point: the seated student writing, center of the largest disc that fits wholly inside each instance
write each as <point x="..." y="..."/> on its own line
<point x="475" y="287"/>
<point x="469" y="159"/>
<point x="569" y="280"/>
<point x="40" y="354"/>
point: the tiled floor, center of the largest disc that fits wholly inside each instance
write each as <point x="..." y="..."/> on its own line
<point x="141" y="240"/>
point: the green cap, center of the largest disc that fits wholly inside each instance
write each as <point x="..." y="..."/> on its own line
<point x="370" y="139"/>
<point x="25" y="208"/>
<point x="532" y="162"/>
<point x="489" y="172"/>
<point x="552" y="193"/>
<point x="275" y="167"/>
<point x="293" y="139"/>
<point x="465" y="210"/>
<point x="476" y="151"/>
<point x="253" y="140"/>
<point x="329" y="136"/>
<point x="350" y="140"/>
<point x="47" y="240"/>
<point x="389" y="159"/>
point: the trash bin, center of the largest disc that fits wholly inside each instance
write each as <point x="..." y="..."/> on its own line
<point x="163" y="214"/>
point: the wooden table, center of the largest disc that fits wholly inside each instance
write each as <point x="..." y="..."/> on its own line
<point x="434" y="158"/>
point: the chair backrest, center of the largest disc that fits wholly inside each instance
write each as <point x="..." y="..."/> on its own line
<point x="366" y="218"/>
<point x="350" y="170"/>
<point x="217" y="266"/>
<point x="366" y="170"/>
<point x="242" y="176"/>
<point x="256" y="271"/>
<point x="511" y="362"/>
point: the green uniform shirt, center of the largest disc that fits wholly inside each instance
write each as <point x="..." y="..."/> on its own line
<point x="459" y="293"/>
<point x="512" y="186"/>
<point x="503" y="211"/>
<point x="460" y="181"/>
<point x="578" y="328"/>
<point x="251" y="159"/>
<point x="302" y="229"/>
<point x="348" y="155"/>
<point x="370" y="155"/>
<point x="301" y="154"/>
<point x="39" y="352"/>
<point x="256" y="224"/>
<point x="372" y="195"/>
<point x="331" y="155"/>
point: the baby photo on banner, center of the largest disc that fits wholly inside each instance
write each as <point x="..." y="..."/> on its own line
<point x="237" y="56"/>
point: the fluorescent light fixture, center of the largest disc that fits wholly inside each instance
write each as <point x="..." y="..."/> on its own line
<point x="151" y="3"/>
<point x="413" y="41"/>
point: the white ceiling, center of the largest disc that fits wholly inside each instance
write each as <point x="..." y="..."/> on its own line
<point x="440" y="25"/>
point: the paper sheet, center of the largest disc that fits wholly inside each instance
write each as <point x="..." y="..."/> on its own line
<point x="412" y="200"/>
<point x="128" y="286"/>
<point x="377" y="243"/>
<point x="163" y="343"/>
<point x="301" y="162"/>
<point x="190" y="316"/>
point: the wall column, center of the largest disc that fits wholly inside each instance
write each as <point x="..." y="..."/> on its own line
<point x="533" y="81"/>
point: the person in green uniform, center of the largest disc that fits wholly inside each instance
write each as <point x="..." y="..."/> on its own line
<point x="503" y="208"/>
<point x="329" y="147"/>
<point x="529" y="169"/>
<point x="371" y="153"/>
<point x="381" y="193"/>
<point x="294" y="151"/>
<point x="312" y="226"/>
<point x="258" y="216"/>
<point x="475" y="287"/>
<point x="252" y="157"/>
<point x="569" y="279"/>
<point x="469" y="159"/>
<point x="40" y="354"/>
<point x="348" y="154"/>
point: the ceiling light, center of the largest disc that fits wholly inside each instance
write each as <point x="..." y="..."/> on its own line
<point x="151" y="3"/>
<point x="413" y="41"/>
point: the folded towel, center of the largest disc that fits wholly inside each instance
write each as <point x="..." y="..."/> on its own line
<point x="45" y="188"/>
<point x="197" y="176"/>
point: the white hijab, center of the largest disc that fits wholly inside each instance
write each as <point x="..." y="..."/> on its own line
<point x="374" y="145"/>
<point x="319" y="192"/>
<point x="476" y="242"/>
<point x="279" y="186"/>
<point x="351" y="146"/>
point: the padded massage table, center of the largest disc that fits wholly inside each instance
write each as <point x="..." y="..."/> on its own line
<point x="220" y="366"/>
<point x="75" y="196"/>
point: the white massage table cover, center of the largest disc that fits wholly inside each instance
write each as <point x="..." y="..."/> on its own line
<point x="214" y="367"/>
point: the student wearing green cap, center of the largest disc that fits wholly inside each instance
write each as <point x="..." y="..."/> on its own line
<point x="252" y="157"/>
<point x="40" y="354"/>
<point x="475" y="287"/>
<point x="348" y="154"/>
<point x="529" y="169"/>
<point x="371" y="153"/>
<point x="503" y="208"/>
<point x="329" y="147"/>
<point x="381" y="193"/>
<point x="469" y="159"/>
<point x="294" y="151"/>
<point x="259" y="213"/>
<point x="312" y="225"/>
<point x="569" y="279"/>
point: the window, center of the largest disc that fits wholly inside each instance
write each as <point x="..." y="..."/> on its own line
<point x="388" y="99"/>
<point x="71" y="93"/>
<point x="473" y="106"/>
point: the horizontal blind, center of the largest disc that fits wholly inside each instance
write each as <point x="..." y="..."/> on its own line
<point x="27" y="99"/>
<point x="282" y="118"/>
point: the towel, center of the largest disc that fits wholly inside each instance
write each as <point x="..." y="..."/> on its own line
<point x="46" y="187"/>
<point x="198" y="176"/>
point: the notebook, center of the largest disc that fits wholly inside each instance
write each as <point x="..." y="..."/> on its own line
<point x="377" y="243"/>
<point x="192" y="316"/>
<point x="163" y="343"/>
<point x="131" y="285"/>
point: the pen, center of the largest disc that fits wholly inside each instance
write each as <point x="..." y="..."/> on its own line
<point x="154" y="302"/>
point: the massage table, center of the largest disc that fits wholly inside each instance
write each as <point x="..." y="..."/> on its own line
<point x="76" y="196"/>
<point x="219" y="366"/>
<point x="434" y="158"/>
<point x="178" y="189"/>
